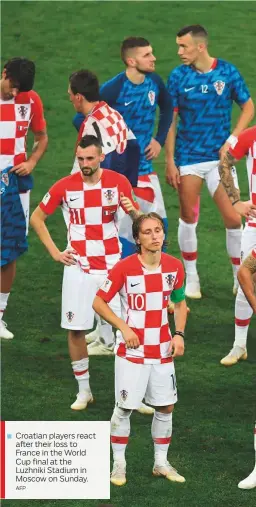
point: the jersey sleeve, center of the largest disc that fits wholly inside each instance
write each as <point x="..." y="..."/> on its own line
<point x="178" y="293"/>
<point x="126" y="188"/>
<point x="172" y="87"/>
<point x="78" y="120"/>
<point x="113" y="283"/>
<point x="53" y="198"/>
<point x="242" y="146"/>
<point x="110" y="90"/>
<point x="38" y="122"/>
<point x="166" y="111"/>
<point x="240" y="93"/>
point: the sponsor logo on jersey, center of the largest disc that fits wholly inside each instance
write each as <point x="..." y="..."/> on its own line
<point x="152" y="97"/>
<point x="23" y="111"/>
<point x="70" y="316"/>
<point x="219" y="87"/>
<point x="170" y="279"/>
<point x="109" y="194"/>
<point x="106" y="285"/>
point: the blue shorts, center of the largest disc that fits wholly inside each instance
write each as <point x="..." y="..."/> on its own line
<point x="13" y="223"/>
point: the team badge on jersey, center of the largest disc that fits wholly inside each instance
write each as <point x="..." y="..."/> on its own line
<point x="23" y="111"/>
<point x="123" y="394"/>
<point x="109" y="194"/>
<point x="219" y="87"/>
<point x="170" y="279"/>
<point x="152" y="97"/>
<point x="70" y="316"/>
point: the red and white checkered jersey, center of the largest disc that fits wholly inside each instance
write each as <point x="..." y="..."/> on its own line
<point x="106" y="124"/>
<point x="144" y="300"/>
<point x="92" y="227"/>
<point x="18" y="115"/>
<point x="246" y="146"/>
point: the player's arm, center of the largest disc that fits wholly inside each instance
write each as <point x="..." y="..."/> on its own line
<point x="241" y="95"/>
<point x="128" y="199"/>
<point x="246" y="275"/>
<point x="37" y="221"/>
<point x="226" y="177"/>
<point x="172" y="174"/>
<point x="165" y="119"/>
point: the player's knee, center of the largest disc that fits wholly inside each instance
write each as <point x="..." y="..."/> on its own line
<point x="168" y="409"/>
<point x="188" y="215"/>
<point x="119" y="415"/>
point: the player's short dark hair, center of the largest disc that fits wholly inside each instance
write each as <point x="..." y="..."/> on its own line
<point x="194" y="30"/>
<point x="131" y="43"/>
<point x="89" y="140"/>
<point x="86" y="83"/>
<point x="21" y="73"/>
<point x="136" y="226"/>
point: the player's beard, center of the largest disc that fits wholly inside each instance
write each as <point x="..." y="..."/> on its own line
<point x="92" y="170"/>
<point x="144" y="72"/>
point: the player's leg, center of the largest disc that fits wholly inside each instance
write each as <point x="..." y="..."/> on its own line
<point x="13" y="240"/>
<point x="189" y="191"/>
<point x="159" y="201"/>
<point x="25" y="202"/>
<point x="78" y="292"/>
<point x="243" y="310"/>
<point x="250" y="481"/>
<point x="231" y="220"/>
<point x="130" y="386"/>
<point x="162" y="393"/>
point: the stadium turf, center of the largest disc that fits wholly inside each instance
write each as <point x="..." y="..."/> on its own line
<point x="213" y="422"/>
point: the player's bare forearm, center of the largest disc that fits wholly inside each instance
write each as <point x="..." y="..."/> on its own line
<point x="104" y="311"/>
<point x="170" y="139"/>
<point x="37" y="221"/>
<point x="39" y="147"/>
<point x="245" y="277"/>
<point x="226" y="177"/>
<point x="245" y="117"/>
<point x="135" y="213"/>
<point x="180" y="315"/>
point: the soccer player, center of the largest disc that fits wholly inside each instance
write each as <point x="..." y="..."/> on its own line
<point x="245" y="146"/>
<point x="118" y="143"/>
<point x="136" y="93"/>
<point x="93" y="196"/>
<point x="20" y="108"/>
<point x="203" y="90"/>
<point x="145" y="349"/>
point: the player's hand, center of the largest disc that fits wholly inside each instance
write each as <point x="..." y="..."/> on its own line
<point x="66" y="257"/>
<point x="153" y="149"/>
<point x="126" y="202"/>
<point x="245" y="209"/>
<point x="23" y="169"/>
<point x="177" y="346"/>
<point x="131" y="339"/>
<point x="172" y="175"/>
<point x="223" y="150"/>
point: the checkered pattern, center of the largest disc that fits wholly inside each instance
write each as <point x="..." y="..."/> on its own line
<point x="144" y="299"/>
<point x="246" y="145"/>
<point x="17" y="116"/>
<point x="111" y="126"/>
<point x="92" y="229"/>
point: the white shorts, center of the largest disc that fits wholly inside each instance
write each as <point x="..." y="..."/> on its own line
<point x="248" y="242"/>
<point x="208" y="171"/>
<point x="133" y="382"/>
<point x="25" y="201"/>
<point x="78" y="292"/>
<point x="159" y="200"/>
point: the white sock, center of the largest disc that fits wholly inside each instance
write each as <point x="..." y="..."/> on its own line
<point x="120" y="431"/>
<point x="243" y="313"/>
<point x="188" y="246"/>
<point x="81" y="372"/>
<point x="3" y="302"/>
<point x="161" y="431"/>
<point x="233" y="243"/>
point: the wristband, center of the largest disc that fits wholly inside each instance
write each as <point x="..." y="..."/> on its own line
<point x="180" y="333"/>
<point x="238" y="200"/>
<point x="232" y="140"/>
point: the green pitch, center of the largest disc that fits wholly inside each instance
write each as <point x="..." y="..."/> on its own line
<point x="213" y="422"/>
